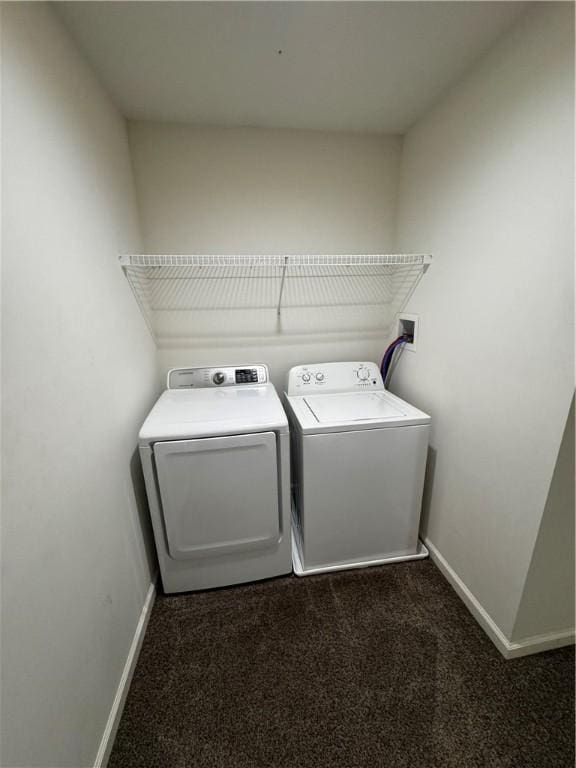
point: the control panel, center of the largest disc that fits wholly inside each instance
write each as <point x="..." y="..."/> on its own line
<point x="224" y="376"/>
<point x="334" y="377"/>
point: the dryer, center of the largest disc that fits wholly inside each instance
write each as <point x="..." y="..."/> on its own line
<point x="216" y="458"/>
<point x="358" y="462"/>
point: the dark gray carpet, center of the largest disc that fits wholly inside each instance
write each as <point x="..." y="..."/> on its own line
<point x="375" y="667"/>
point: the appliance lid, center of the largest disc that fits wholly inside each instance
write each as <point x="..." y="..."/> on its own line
<point x="354" y="406"/>
<point x="189" y="413"/>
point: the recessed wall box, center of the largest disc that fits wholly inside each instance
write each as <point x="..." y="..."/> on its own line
<point x="408" y="324"/>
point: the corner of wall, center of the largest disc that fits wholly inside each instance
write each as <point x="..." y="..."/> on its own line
<point x="547" y="602"/>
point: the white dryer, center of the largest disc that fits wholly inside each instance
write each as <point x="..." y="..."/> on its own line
<point x="358" y="462"/>
<point x="216" y="457"/>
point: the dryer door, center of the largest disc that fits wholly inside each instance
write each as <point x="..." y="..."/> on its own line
<point x="219" y="494"/>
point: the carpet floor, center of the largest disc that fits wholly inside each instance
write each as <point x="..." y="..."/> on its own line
<point x="376" y="667"/>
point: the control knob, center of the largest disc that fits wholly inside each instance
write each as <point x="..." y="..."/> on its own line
<point x="363" y="373"/>
<point x="306" y="378"/>
<point x="218" y="378"/>
<point x="319" y="377"/>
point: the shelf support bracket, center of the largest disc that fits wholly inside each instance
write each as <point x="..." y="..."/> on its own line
<point x="279" y="307"/>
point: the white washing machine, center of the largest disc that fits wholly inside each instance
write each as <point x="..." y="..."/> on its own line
<point x="358" y="462"/>
<point x="216" y="457"/>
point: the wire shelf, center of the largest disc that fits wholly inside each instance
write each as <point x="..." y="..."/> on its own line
<point x="179" y="294"/>
<point x="264" y="260"/>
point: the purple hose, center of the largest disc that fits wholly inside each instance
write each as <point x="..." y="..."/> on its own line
<point x="387" y="359"/>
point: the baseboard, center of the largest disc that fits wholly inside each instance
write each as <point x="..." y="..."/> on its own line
<point x="508" y="649"/>
<point x="541" y="643"/>
<point x="109" y="734"/>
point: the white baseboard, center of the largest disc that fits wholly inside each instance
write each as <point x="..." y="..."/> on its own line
<point x="541" y="643"/>
<point x="508" y="649"/>
<point x="109" y="734"/>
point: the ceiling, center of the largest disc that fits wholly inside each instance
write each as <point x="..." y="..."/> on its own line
<point x="356" y="66"/>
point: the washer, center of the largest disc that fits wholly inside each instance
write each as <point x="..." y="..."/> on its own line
<point x="358" y="462"/>
<point x="216" y="457"/>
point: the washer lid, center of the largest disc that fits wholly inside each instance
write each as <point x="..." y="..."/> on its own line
<point x="351" y="411"/>
<point x="354" y="406"/>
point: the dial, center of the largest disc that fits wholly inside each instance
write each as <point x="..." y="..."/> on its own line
<point x="306" y="378"/>
<point x="218" y="378"/>
<point x="319" y="377"/>
<point x="363" y="373"/>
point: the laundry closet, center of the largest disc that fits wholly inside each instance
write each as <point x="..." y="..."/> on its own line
<point x="330" y="197"/>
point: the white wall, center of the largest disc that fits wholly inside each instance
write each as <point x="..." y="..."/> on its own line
<point x="548" y="596"/>
<point x="244" y="191"/>
<point x="78" y="377"/>
<point x="487" y="187"/>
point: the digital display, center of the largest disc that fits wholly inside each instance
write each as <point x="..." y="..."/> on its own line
<point x="246" y="376"/>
